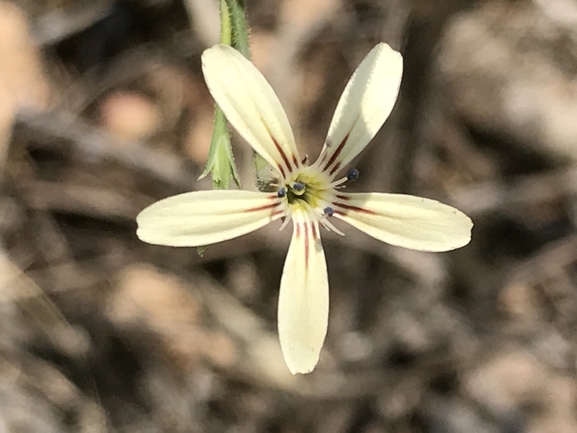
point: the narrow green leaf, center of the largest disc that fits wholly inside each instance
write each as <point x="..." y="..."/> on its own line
<point x="220" y="163"/>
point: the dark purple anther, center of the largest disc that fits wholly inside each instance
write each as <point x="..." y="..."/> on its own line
<point x="298" y="186"/>
<point x="352" y="174"/>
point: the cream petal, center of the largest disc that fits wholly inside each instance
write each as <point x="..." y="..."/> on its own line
<point x="303" y="308"/>
<point x="250" y="105"/>
<point x="206" y="217"/>
<point x="405" y="220"/>
<point x="365" y="104"/>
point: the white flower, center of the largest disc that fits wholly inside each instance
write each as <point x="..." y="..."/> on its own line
<point x="307" y="195"/>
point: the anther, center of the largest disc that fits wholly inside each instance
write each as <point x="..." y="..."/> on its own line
<point x="298" y="186"/>
<point x="281" y="192"/>
<point x="329" y="211"/>
<point x="352" y="174"/>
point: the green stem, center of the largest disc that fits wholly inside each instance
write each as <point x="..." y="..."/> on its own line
<point x="225" y="25"/>
<point x="239" y="27"/>
<point x="220" y="163"/>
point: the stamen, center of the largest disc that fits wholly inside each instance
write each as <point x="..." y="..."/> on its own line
<point x="281" y="192"/>
<point x="285" y="222"/>
<point x="352" y="174"/>
<point x="330" y="227"/>
<point x="338" y="183"/>
<point x="329" y="211"/>
<point x="298" y="186"/>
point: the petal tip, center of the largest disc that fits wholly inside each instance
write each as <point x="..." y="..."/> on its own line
<point x="383" y="47"/>
<point x="301" y="359"/>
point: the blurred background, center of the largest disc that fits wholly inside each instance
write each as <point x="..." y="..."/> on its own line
<point x="103" y="110"/>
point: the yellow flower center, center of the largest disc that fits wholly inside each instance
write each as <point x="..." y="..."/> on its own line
<point x="307" y="186"/>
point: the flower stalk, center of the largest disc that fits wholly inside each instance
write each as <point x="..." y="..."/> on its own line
<point x="220" y="163"/>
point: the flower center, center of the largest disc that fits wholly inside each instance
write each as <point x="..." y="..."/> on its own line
<point x="310" y="189"/>
<point x="304" y="191"/>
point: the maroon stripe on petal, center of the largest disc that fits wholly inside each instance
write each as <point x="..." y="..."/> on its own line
<point x="282" y="173"/>
<point x="307" y="247"/>
<point x="337" y="152"/>
<point x="343" y="197"/>
<point x="282" y="154"/>
<point x="263" y="207"/>
<point x="295" y="161"/>
<point x="281" y="151"/>
<point x="355" y="208"/>
<point x="335" y="168"/>
<point x="315" y="233"/>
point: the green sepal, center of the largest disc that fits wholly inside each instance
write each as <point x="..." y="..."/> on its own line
<point x="220" y="162"/>
<point x="266" y="177"/>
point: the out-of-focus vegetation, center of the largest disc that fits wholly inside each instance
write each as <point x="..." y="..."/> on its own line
<point x="103" y="110"/>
